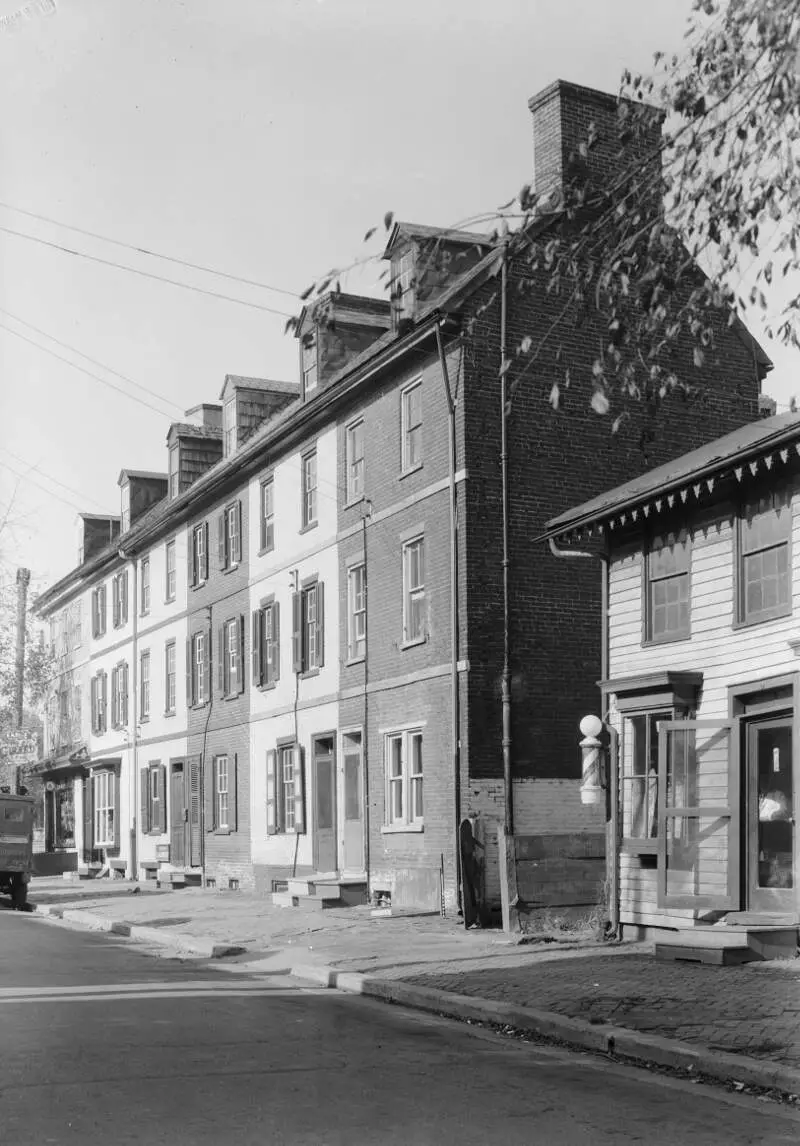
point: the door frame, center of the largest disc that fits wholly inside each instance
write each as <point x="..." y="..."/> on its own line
<point x="184" y="762"/>
<point x="334" y="756"/>
<point x="350" y="730"/>
<point x="764" y="898"/>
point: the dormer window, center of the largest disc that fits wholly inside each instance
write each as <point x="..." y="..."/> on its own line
<point x="126" y="508"/>
<point x="309" y="365"/>
<point x="229" y="426"/>
<point x="174" y="484"/>
<point x="402" y="290"/>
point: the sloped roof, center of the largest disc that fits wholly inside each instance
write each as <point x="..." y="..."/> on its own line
<point x="744" y="445"/>
<point x="272" y="386"/>
<point x="446" y="234"/>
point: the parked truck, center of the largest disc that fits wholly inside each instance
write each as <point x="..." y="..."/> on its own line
<point x="16" y="847"/>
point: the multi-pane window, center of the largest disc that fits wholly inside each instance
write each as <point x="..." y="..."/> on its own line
<point x="222" y="793"/>
<point x="266" y="644"/>
<point x="285" y="790"/>
<point x="170" y="585"/>
<point x="119" y="598"/>
<point x="356" y="611"/>
<point x="354" y="453"/>
<point x="174" y="473"/>
<point x="229" y="426"/>
<point x="145" y="586"/>
<point x="414" y="591"/>
<point x="287" y="794"/>
<point x="99" y="611"/>
<point x="411" y="426"/>
<point x="310" y="369"/>
<point x="639" y="750"/>
<point x="764" y="559"/>
<point x="125" y="522"/>
<point x="267" y="515"/>
<point x="230" y="536"/>
<point x="103" y="801"/>
<point x="402" y="290"/>
<point x="200" y="554"/>
<point x="404" y="795"/>
<point x="668" y="562"/>
<point x="231" y="653"/>
<point x="99" y="687"/>
<point x="308" y="628"/>
<point x="144" y="685"/>
<point x="309" y="491"/>
<point x="119" y="695"/>
<point x="198" y="670"/>
<point x="170" y="678"/>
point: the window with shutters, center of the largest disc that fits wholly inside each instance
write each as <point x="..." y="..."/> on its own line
<point x="267" y="515"/>
<point x="414" y="591"/>
<point x="154" y="799"/>
<point x="103" y="800"/>
<point x="356" y="612"/>
<point x="170" y="680"/>
<point x="230" y="536"/>
<point x="119" y="598"/>
<point x="99" y="687"/>
<point x="354" y="460"/>
<point x="119" y="695"/>
<point x="231" y="681"/>
<point x="285" y="790"/>
<point x="197" y="684"/>
<point x="309" y="489"/>
<point x="266" y="644"/>
<point x="308" y="628"/>
<point x="171" y="576"/>
<point x="221" y="794"/>
<point x="404" y="797"/>
<point x="99" y="611"/>
<point x="763" y="558"/>
<point x="144" y="574"/>
<point x="411" y="427"/>
<point x="200" y="554"/>
<point x="144" y="685"/>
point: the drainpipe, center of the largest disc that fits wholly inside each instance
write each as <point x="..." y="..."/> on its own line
<point x="505" y="685"/>
<point x="454" y="609"/>
<point x="612" y="802"/>
<point x="365" y="741"/>
<point x="134" y="600"/>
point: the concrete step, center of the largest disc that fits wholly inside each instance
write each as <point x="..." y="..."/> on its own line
<point x="283" y="899"/>
<point x="762" y="919"/>
<point x="317" y="902"/>
<point x="305" y="887"/>
<point x="726" y="944"/>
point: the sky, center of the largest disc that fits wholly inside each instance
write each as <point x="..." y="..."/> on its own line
<point x="260" y="138"/>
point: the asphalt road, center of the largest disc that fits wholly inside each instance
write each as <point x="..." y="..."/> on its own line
<point x="102" y="1044"/>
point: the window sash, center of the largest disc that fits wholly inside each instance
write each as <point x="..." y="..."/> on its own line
<point x="639" y="749"/>
<point x="174" y="472"/>
<point x="231" y="654"/>
<point x="287" y="781"/>
<point x="222" y="791"/>
<point x="198" y="662"/>
<point x="310" y="626"/>
<point x="229" y="414"/>
<point x="199" y="551"/>
<point x="144" y="686"/>
<point x="413" y="590"/>
<point x="355" y="461"/>
<point x="171" y="677"/>
<point x="357" y="596"/>
<point x="309" y="489"/>
<point x="171" y="572"/>
<point x="412" y="426"/>
<point x="268" y="515"/>
<point x="404" y="778"/>
<point x="231" y="535"/>
<point x="145" y="588"/>
<point x="764" y="557"/>
<point x="104" y="809"/>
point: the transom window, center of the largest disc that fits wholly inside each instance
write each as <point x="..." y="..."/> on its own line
<point x="764" y="559"/>
<point x="356" y="611"/>
<point x="414" y="591"/>
<point x="267" y="515"/>
<point x="404" y="799"/>
<point x="309" y="464"/>
<point x="668" y="563"/>
<point x="411" y="426"/>
<point x="355" y="461"/>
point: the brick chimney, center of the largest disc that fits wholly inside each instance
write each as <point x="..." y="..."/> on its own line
<point x="626" y="131"/>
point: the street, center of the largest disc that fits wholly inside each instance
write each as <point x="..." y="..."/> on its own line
<point x="104" y="1043"/>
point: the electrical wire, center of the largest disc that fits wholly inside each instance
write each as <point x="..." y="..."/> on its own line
<point x="28" y="478"/>
<point x="49" y="477"/>
<point x="146" y="251"/>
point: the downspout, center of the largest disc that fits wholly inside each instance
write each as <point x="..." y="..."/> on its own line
<point x="505" y="685"/>
<point x="612" y="795"/>
<point x="133" y="712"/>
<point x="365" y="741"/>
<point x="454" y="612"/>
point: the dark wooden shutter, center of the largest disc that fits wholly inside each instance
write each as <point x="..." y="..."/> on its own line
<point x="93" y="687"/>
<point x="205" y="550"/>
<point x="320" y="624"/>
<point x="144" y="800"/>
<point x="124" y="714"/>
<point x="297" y="632"/>
<point x="240" y="665"/>
<point x="221" y="540"/>
<point x="233" y="792"/>
<point x="209" y="794"/>
<point x="88" y="819"/>
<point x="161" y="781"/>
<point x="189" y="673"/>
<point x="95" y="613"/>
<point x="272" y="792"/>
<point x="207" y="665"/>
<point x="222" y="665"/>
<point x="255" y="652"/>
<point x="298" y="762"/>
<point x="103" y="683"/>
<point x="116" y="810"/>
<point x="276" y="641"/>
<point x="115" y="601"/>
<point x="115" y="697"/>
<point x="238" y="511"/>
<point x="123" y="603"/>
<point x="191" y="564"/>
<point x="195" y="805"/>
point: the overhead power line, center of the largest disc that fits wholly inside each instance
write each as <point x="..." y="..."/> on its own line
<point x="145" y="274"/>
<point x="49" y="477"/>
<point x="146" y="251"/>
<point x="50" y="492"/>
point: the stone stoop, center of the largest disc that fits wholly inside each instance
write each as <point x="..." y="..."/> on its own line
<point x="321" y="893"/>
<point x="727" y="944"/>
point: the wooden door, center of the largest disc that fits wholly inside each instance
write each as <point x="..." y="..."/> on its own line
<point x="178" y="815"/>
<point x="324" y="839"/>
<point x="769" y="825"/>
<point x="353" y="824"/>
<point x="195" y="803"/>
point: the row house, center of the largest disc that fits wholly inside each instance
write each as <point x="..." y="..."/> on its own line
<point x="374" y="647"/>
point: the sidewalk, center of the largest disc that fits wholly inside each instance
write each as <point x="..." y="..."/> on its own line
<point x="736" y="1022"/>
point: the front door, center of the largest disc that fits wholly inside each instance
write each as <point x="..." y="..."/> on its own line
<point x="770" y="826"/>
<point x="324" y="805"/>
<point x="177" y="816"/>
<point x="353" y="834"/>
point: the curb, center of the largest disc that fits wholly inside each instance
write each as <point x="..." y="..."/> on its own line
<point x="186" y="944"/>
<point x="618" y="1041"/>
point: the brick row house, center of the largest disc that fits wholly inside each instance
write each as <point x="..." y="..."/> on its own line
<point x="339" y="610"/>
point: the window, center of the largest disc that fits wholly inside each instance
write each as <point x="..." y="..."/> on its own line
<point x="119" y="598"/>
<point x="144" y="686"/>
<point x="198" y="667"/>
<point x="99" y="687"/>
<point x="285" y="790"/>
<point x="230" y="536"/>
<point x="414" y="591"/>
<point x="200" y="554"/>
<point x="639" y="750"/>
<point x="356" y="612"/>
<point x="267" y="515"/>
<point x="99" y="611"/>
<point x="104" y="811"/>
<point x="221" y="794"/>
<point x="171" y="574"/>
<point x="229" y="426"/>
<point x="354" y="451"/>
<point x="411" y="426"/>
<point x="763" y="574"/>
<point x="154" y="799"/>
<point x="119" y="695"/>
<point x="170" y="680"/>
<point x="404" y="802"/>
<point x="231" y="647"/>
<point x="125" y="523"/>
<point x="308" y="628"/>
<point x="310" y="371"/>
<point x="309" y="464"/>
<point x="76" y="625"/>
<point x="667" y="602"/>
<point x="174" y="472"/>
<point x="145" y="580"/>
<point x="266" y="644"/>
<point x="402" y="292"/>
